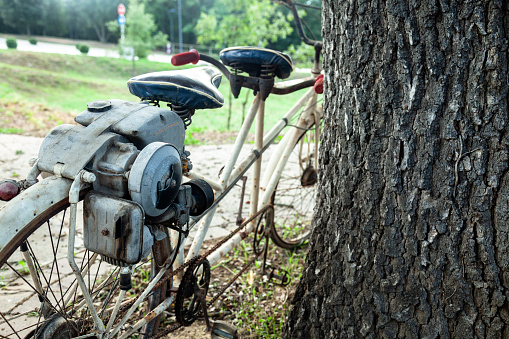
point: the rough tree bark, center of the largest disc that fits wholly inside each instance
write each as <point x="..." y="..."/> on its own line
<point x="411" y="236"/>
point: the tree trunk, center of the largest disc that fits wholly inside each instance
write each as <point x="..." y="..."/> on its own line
<point x="100" y="31"/>
<point x="411" y="237"/>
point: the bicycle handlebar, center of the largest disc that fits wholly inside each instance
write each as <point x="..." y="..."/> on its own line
<point x="298" y="25"/>
<point x="319" y="84"/>
<point x="191" y="57"/>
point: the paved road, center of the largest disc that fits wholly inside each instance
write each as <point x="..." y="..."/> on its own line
<point x="50" y="47"/>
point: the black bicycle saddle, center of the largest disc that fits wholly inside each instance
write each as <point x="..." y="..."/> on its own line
<point x="194" y="88"/>
<point x="251" y="59"/>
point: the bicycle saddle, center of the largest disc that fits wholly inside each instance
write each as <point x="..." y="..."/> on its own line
<point x="194" y="88"/>
<point x="251" y="59"/>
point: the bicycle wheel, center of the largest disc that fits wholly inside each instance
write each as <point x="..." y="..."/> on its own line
<point x="61" y="311"/>
<point x="295" y="194"/>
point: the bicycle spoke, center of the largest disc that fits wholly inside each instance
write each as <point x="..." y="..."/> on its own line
<point x="96" y="273"/>
<point x="30" y="285"/>
<point x="38" y="271"/>
<point x="55" y="265"/>
<point x="8" y="323"/>
<point x="41" y="272"/>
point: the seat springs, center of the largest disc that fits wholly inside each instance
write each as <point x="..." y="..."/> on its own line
<point x="237" y="68"/>
<point x="184" y="113"/>
<point x="266" y="82"/>
<point x="268" y="71"/>
<point x="154" y="102"/>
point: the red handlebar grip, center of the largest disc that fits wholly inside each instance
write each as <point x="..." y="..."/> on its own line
<point x="191" y="57"/>
<point x="319" y="84"/>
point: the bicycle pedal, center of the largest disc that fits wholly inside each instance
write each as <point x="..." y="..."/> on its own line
<point x="223" y="329"/>
<point x="280" y="277"/>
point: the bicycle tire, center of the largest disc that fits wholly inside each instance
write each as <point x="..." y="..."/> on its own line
<point x="294" y="196"/>
<point x="60" y="321"/>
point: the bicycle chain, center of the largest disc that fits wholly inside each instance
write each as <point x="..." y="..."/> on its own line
<point x="175" y="327"/>
<point x="166" y="331"/>
<point x="199" y="258"/>
<point x="181" y="294"/>
<point x="232" y="280"/>
<point x="124" y="308"/>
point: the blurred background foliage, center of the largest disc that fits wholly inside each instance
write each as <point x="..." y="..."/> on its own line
<point x="210" y="24"/>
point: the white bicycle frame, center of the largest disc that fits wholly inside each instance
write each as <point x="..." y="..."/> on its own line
<point x="262" y="189"/>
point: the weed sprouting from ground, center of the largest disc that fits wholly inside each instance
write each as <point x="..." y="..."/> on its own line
<point x="255" y="304"/>
<point x="24" y="268"/>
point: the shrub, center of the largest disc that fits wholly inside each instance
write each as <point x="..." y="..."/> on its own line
<point x="33" y="41"/>
<point x="11" y="43"/>
<point x="302" y="54"/>
<point x="82" y="48"/>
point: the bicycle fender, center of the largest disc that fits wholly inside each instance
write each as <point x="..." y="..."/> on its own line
<point x="19" y="215"/>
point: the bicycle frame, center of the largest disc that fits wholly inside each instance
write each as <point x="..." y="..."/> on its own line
<point x="272" y="172"/>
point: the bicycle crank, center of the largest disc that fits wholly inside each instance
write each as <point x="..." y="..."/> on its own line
<point x="192" y="291"/>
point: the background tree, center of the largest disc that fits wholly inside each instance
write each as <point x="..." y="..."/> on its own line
<point x="140" y="30"/>
<point x="97" y="13"/>
<point x="311" y="18"/>
<point x="242" y="22"/>
<point x="53" y="18"/>
<point x="411" y="237"/>
<point x="22" y="15"/>
<point x="78" y="25"/>
<point x="85" y="19"/>
<point x="166" y="16"/>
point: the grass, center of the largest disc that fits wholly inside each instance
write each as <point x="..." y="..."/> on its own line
<point x="11" y="130"/>
<point x="276" y="106"/>
<point x="24" y="268"/>
<point x="61" y="89"/>
<point x="261" y="306"/>
<point x="191" y="132"/>
<point x="257" y="306"/>
<point x="66" y="83"/>
<point x="23" y="117"/>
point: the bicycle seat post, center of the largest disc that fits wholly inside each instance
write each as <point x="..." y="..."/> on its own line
<point x="258" y="164"/>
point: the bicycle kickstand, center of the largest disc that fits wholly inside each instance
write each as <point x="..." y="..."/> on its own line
<point x="218" y="328"/>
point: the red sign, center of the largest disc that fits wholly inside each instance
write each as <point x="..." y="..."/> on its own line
<point x="121" y="9"/>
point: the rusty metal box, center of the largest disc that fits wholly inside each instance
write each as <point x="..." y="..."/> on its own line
<point x="114" y="228"/>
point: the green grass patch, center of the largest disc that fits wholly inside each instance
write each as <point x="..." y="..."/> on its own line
<point x="11" y="130"/>
<point x="275" y="107"/>
<point x="191" y="135"/>
<point x="254" y="303"/>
